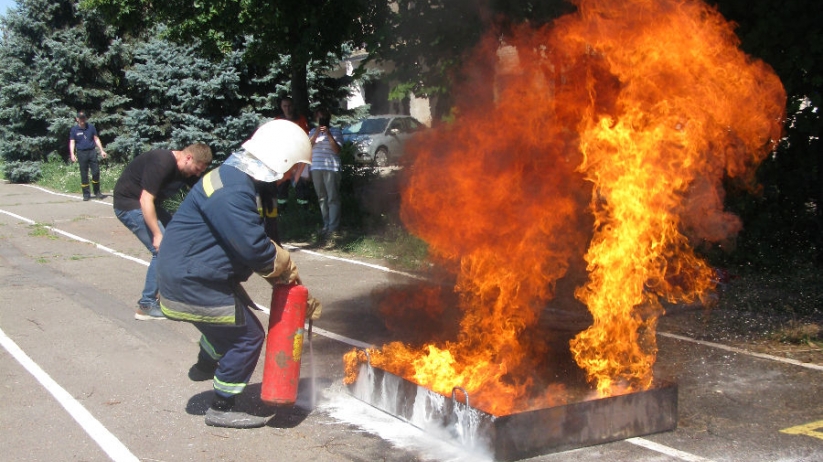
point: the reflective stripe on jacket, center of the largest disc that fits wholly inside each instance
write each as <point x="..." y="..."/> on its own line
<point x="215" y="241"/>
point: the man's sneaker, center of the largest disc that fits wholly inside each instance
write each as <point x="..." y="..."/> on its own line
<point x="148" y="313"/>
<point x="201" y="371"/>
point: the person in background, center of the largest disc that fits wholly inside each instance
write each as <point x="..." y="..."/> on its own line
<point x="138" y="197"/>
<point x="216" y="241"/>
<point x="326" y="143"/>
<point x="301" y="181"/>
<point x="290" y="113"/>
<point x="83" y="139"/>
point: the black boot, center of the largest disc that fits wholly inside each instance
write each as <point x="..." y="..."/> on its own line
<point x="220" y="414"/>
<point x="96" y="187"/>
<point x="202" y="371"/>
<point x="86" y="192"/>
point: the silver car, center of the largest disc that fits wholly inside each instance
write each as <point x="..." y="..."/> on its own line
<point x="379" y="139"/>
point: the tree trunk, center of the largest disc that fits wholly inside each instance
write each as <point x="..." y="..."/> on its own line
<point x="299" y="86"/>
<point x="815" y="149"/>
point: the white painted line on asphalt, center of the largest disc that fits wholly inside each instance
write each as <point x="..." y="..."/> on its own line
<point x="661" y="333"/>
<point x="667" y="450"/>
<point x="354" y="262"/>
<point x="741" y="351"/>
<point x="105" y="439"/>
<point x="340" y="338"/>
<point x="324" y="332"/>
<point x="356" y="343"/>
<point x="77" y="238"/>
<point x="70" y="196"/>
<point x="383" y="268"/>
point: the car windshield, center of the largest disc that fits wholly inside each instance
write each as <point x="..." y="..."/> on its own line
<point x="366" y="127"/>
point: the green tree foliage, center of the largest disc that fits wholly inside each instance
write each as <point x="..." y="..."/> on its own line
<point x="140" y="94"/>
<point x="426" y="41"/>
<point x="22" y="171"/>
<point x="263" y="30"/>
<point x="143" y="92"/>
<point x="178" y="97"/>
<point x="322" y="90"/>
<point x="55" y="62"/>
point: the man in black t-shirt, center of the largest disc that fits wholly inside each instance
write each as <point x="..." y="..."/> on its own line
<point x="138" y="196"/>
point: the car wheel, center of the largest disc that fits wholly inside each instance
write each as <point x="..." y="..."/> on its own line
<point x="381" y="157"/>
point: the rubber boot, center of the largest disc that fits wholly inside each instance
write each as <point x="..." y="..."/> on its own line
<point x="220" y="414"/>
<point x="202" y="371"/>
<point x="96" y="187"/>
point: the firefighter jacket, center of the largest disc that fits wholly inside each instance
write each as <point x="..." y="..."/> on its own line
<point x="215" y="241"/>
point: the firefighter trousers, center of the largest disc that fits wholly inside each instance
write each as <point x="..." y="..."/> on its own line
<point x="235" y="349"/>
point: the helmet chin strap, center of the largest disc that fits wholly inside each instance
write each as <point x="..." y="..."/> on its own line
<point x="251" y="166"/>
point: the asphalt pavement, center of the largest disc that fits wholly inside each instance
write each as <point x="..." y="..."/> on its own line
<point x="83" y="380"/>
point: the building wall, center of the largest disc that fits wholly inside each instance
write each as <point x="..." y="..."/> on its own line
<point x="376" y="94"/>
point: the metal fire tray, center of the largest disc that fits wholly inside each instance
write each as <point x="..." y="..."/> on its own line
<point x="521" y="435"/>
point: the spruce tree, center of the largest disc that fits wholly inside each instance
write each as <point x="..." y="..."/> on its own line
<point x="55" y="62"/>
<point x="141" y="93"/>
<point x="179" y="97"/>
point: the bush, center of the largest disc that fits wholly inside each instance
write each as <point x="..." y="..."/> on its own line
<point x="22" y="171"/>
<point x="354" y="180"/>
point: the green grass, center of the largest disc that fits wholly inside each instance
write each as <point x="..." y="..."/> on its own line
<point x="62" y="177"/>
<point x="784" y="306"/>
<point x="796" y="332"/>
<point x="395" y="245"/>
<point x="40" y="230"/>
<point x="379" y="237"/>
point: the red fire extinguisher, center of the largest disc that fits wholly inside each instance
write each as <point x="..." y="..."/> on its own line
<point x="284" y="344"/>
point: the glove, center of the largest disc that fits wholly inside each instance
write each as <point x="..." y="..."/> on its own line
<point x="313" y="308"/>
<point x="285" y="271"/>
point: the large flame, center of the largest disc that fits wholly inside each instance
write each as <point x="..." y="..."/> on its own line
<point x="627" y="115"/>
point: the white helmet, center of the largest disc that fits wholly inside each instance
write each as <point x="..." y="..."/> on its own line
<point x="279" y="144"/>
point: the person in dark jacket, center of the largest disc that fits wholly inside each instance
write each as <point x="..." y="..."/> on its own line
<point x="216" y="241"/>
<point x="82" y="140"/>
<point x="300" y="182"/>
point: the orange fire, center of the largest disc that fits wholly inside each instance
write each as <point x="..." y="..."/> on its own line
<point x="611" y="130"/>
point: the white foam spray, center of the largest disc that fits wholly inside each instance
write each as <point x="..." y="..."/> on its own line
<point x="343" y="407"/>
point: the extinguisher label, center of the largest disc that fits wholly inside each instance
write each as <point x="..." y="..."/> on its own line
<point x="297" y="348"/>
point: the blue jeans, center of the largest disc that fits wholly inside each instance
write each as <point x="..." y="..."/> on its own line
<point x="327" y="187"/>
<point x="133" y="220"/>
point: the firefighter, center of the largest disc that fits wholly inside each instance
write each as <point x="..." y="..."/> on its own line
<point x="216" y="241"/>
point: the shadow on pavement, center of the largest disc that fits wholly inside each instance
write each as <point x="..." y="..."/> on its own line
<point x="249" y="402"/>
